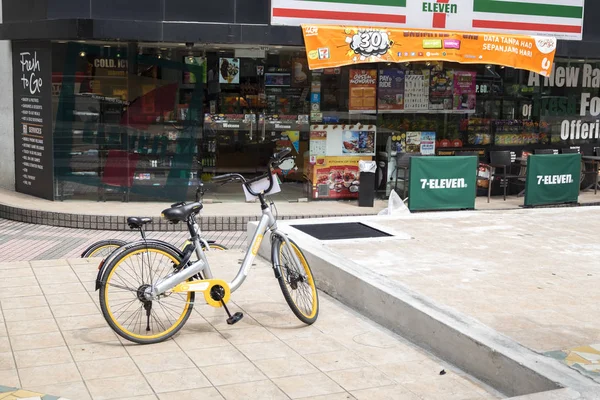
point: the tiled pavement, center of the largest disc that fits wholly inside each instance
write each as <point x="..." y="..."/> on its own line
<point x="53" y="339"/>
<point x="23" y="242"/>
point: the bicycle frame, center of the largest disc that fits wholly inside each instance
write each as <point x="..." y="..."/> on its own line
<point x="266" y="223"/>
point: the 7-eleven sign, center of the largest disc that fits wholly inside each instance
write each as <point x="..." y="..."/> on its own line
<point x="439" y="10"/>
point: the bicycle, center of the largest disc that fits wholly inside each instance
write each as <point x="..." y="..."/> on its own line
<point x="103" y="248"/>
<point x="152" y="320"/>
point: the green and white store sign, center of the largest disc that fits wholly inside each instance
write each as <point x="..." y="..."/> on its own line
<point x="562" y="19"/>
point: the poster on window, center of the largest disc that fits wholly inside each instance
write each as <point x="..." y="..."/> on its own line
<point x="342" y="140"/>
<point x="416" y="91"/>
<point x="190" y="77"/>
<point x="464" y="90"/>
<point x="390" y="95"/>
<point x="229" y="70"/>
<point x="440" y="90"/>
<point x="363" y="90"/>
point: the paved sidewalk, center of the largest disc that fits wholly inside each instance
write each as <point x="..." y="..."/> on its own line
<point x="53" y="339"/>
<point x="532" y="275"/>
<point x="24" y="242"/>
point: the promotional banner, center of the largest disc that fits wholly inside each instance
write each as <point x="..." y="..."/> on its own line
<point x="442" y="183"/>
<point x="363" y="90"/>
<point x="390" y="95"/>
<point x="552" y="179"/>
<point x="335" y="46"/>
<point x="441" y="90"/>
<point x="335" y="177"/>
<point x="464" y="90"/>
<point x="562" y="19"/>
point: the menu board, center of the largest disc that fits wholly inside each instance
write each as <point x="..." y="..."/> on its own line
<point x="390" y="96"/>
<point x="464" y="90"/>
<point x="363" y="90"/>
<point x="32" y="83"/>
<point x="416" y="91"/>
<point x="318" y="143"/>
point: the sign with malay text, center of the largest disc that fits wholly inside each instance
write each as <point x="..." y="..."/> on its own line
<point x="335" y="46"/>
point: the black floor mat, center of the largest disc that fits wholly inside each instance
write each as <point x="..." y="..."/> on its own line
<point x="346" y="230"/>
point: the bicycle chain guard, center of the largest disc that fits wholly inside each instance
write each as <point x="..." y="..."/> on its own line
<point x="205" y="286"/>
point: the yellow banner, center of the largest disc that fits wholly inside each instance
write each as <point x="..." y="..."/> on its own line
<point x="329" y="46"/>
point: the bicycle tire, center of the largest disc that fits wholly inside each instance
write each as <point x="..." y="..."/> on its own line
<point x="96" y="248"/>
<point x="123" y="260"/>
<point x="307" y="316"/>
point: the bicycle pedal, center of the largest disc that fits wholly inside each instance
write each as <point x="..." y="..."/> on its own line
<point x="235" y="318"/>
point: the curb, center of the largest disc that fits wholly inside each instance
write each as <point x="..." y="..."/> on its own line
<point x="463" y="341"/>
<point x="119" y="223"/>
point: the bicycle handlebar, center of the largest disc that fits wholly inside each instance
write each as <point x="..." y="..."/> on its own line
<point x="275" y="161"/>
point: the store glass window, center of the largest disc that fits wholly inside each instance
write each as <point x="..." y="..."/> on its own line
<point x="151" y="121"/>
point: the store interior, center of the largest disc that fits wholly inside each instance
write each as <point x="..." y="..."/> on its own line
<point x="150" y="121"/>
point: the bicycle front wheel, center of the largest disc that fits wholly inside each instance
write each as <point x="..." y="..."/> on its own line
<point x="122" y="299"/>
<point x="102" y="248"/>
<point x="297" y="284"/>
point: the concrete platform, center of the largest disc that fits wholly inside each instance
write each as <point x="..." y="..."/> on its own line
<point x="53" y="339"/>
<point x="508" y="296"/>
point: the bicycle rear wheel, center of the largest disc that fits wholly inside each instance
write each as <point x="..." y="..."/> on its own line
<point x="297" y="284"/>
<point x="122" y="299"/>
<point x="102" y="248"/>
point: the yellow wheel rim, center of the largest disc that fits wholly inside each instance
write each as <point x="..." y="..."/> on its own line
<point x="309" y="311"/>
<point x="169" y="311"/>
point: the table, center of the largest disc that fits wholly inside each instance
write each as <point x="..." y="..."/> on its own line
<point x="595" y="161"/>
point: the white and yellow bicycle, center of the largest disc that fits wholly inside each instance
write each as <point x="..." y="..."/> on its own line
<point x="148" y="289"/>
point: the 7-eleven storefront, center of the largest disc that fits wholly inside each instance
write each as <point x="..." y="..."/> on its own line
<point x="432" y="77"/>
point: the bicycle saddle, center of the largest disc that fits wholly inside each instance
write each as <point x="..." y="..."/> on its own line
<point x="138" y="222"/>
<point x="181" y="213"/>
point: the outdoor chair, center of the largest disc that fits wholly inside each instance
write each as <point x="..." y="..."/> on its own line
<point x="590" y="168"/>
<point x="403" y="164"/>
<point x="480" y="166"/>
<point x="501" y="160"/>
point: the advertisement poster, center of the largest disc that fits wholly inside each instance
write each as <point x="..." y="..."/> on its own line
<point x="336" y="177"/>
<point x="563" y="19"/>
<point x="420" y="142"/>
<point x="189" y="77"/>
<point x="390" y="95"/>
<point x="464" y="90"/>
<point x="363" y="90"/>
<point x="416" y="91"/>
<point x="343" y="140"/>
<point x="229" y="70"/>
<point x="358" y="142"/>
<point x="428" y="143"/>
<point x="335" y="46"/>
<point x="299" y="72"/>
<point x="440" y="90"/>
